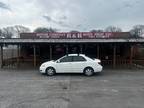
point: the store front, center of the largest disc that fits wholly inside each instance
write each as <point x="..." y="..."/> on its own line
<point x="114" y="49"/>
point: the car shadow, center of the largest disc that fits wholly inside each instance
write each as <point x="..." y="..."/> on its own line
<point x="74" y="75"/>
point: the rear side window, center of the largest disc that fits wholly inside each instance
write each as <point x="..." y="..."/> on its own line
<point x="78" y="58"/>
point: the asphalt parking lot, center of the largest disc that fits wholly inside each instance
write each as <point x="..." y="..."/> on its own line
<point x="112" y="89"/>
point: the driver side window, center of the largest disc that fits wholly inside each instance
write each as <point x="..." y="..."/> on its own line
<point x="66" y="59"/>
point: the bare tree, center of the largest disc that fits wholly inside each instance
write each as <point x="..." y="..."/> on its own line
<point x="7" y="32"/>
<point x="20" y="29"/>
<point x="99" y="30"/>
<point x="137" y="31"/>
<point x="44" y="30"/>
<point x="113" y="29"/>
<point x="74" y="31"/>
<point x="1" y="34"/>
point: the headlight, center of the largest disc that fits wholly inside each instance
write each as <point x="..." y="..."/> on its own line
<point x="43" y="65"/>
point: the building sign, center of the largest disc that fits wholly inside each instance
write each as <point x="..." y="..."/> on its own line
<point x="69" y="35"/>
<point x="74" y="35"/>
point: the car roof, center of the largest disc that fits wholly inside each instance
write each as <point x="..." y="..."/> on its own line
<point x="76" y="55"/>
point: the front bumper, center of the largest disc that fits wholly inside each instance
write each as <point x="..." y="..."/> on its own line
<point x="42" y="70"/>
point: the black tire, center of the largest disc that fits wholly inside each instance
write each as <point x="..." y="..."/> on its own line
<point x="50" y="71"/>
<point x="88" y="71"/>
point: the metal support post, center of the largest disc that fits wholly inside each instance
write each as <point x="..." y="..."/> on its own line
<point x="98" y="51"/>
<point x="114" y="56"/>
<point x="1" y="56"/>
<point x="50" y="48"/>
<point x="34" y="55"/>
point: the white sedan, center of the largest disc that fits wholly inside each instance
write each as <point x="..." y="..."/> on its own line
<point x="72" y="63"/>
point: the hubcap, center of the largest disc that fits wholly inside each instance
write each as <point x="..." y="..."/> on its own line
<point x="88" y="72"/>
<point x="50" y="71"/>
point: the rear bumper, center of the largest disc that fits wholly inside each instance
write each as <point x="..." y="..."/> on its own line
<point x="99" y="68"/>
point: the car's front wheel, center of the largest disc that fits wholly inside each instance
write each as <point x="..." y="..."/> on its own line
<point x="88" y="71"/>
<point x="50" y="71"/>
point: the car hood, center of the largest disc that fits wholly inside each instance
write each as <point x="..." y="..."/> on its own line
<point x="52" y="61"/>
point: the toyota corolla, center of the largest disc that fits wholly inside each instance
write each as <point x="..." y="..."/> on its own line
<point x="72" y="63"/>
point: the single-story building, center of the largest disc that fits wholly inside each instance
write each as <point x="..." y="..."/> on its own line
<point x="113" y="48"/>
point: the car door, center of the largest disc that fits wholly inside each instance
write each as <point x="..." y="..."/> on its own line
<point x="64" y="65"/>
<point x="78" y="64"/>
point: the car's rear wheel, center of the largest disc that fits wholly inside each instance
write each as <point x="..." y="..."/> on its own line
<point x="88" y="71"/>
<point x="50" y="71"/>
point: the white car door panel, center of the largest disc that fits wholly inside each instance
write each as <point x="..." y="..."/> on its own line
<point x="64" y="67"/>
<point x="78" y="66"/>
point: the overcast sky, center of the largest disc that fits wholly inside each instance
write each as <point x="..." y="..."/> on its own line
<point x="65" y="15"/>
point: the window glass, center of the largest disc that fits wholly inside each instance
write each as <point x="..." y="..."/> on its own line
<point x="66" y="59"/>
<point x="78" y="58"/>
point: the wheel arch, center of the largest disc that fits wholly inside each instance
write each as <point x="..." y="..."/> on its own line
<point x="88" y="67"/>
<point x="50" y="67"/>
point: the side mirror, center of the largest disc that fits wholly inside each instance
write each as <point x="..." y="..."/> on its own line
<point x="57" y="61"/>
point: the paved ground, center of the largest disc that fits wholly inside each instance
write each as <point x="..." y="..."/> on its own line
<point x="113" y="89"/>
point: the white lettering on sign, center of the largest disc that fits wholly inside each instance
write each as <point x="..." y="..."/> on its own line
<point x="42" y="35"/>
<point x="78" y="35"/>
